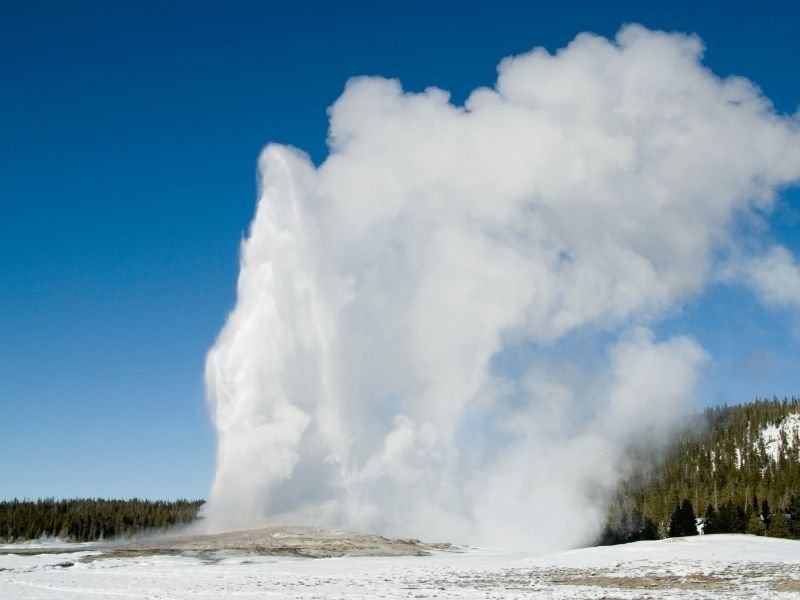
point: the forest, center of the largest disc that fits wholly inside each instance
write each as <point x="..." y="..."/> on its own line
<point x="88" y="519"/>
<point x="731" y="469"/>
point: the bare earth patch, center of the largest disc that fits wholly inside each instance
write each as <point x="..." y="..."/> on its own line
<point x="649" y="582"/>
<point x="787" y="585"/>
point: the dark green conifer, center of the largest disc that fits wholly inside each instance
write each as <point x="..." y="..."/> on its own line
<point x="755" y="526"/>
<point x="765" y="513"/>
<point x="778" y="527"/>
<point x="711" y="520"/>
<point x="683" y="521"/>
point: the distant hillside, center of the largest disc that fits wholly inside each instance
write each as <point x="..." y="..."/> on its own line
<point x="736" y="469"/>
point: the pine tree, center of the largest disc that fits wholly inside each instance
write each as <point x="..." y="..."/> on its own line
<point x="765" y="514"/>
<point x="683" y="521"/>
<point x="778" y="528"/>
<point x="649" y="531"/>
<point x="739" y="522"/>
<point x="793" y="510"/>
<point x="755" y="525"/>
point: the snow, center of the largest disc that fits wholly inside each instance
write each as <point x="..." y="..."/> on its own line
<point x="45" y="544"/>
<point x="711" y="566"/>
<point x="771" y="436"/>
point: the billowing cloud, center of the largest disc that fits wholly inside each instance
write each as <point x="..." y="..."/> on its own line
<point x="774" y="276"/>
<point x="358" y="381"/>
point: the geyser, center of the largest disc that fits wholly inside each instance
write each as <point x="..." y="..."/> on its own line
<point x="371" y="375"/>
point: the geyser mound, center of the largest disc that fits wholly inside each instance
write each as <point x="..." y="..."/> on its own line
<point x="400" y="359"/>
<point x="294" y="541"/>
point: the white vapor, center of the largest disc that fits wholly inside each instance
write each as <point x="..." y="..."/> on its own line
<point x="358" y="382"/>
<point x="775" y="277"/>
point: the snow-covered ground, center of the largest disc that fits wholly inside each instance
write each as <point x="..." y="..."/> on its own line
<point x="713" y="566"/>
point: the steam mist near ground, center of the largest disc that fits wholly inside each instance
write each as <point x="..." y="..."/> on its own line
<point x="361" y="379"/>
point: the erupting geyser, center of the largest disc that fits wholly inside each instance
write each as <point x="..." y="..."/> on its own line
<point x="391" y="364"/>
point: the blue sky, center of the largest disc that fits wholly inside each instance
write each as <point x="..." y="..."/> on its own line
<point x="129" y="133"/>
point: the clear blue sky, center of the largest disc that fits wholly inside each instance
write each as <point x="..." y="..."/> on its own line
<point x="129" y="133"/>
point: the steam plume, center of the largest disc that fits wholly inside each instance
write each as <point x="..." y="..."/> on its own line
<point x="364" y="378"/>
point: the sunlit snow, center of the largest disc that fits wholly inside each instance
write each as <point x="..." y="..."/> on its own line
<point x="712" y="566"/>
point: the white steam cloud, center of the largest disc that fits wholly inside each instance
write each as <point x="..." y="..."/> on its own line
<point x="360" y="379"/>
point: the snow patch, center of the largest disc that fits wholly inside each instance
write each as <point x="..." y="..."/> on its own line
<point x="781" y="437"/>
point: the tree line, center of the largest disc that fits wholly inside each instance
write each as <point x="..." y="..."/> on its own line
<point x="88" y="519"/>
<point x="717" y="475"/>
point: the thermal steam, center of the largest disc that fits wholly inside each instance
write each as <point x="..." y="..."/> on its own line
<point x="362" y="379"/>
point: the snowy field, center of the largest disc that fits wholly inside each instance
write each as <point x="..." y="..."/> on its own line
<point x="713" y="566"/>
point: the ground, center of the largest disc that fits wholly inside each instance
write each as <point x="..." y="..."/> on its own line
<point x="712" y="566"/>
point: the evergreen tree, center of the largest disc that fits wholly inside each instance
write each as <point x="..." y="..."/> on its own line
<point x="739" y="522"/>
<point x="755" y="525"/>
<point x="649" y="531"/>
<point x="765" y="514"/>
<point x="683" y="521"/>
<point x="793" y="510"/>
<point x="727" y="518"/>
<point x="778" y="527"/>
